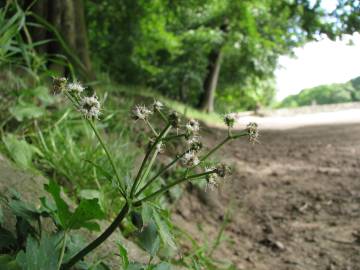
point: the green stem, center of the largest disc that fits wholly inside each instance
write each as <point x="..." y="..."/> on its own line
<point x="62" y="253"/>
<point x="166" y="188"/>
<point x="98" y="241"/>
<point x="142" y="167"/>
<point x="151" y="127"/>
<point x="228" y="138"/>
<point x="159" y="173"/>
<point x="108" y="156"/>
<point x="162" y="116"/>
<point x="212" y="151"/>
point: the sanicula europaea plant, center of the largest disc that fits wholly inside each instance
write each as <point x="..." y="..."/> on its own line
<point x="173" y="129"/>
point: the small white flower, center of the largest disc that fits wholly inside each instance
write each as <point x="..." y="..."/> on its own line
<point x="211" y="179"/>
<point x="194" y="144"/>
<point x="160" y="147"/>
<point x="230" y="119"/>
<point x="90" y="107"/>
<point x="75" y="87"/>
<point x="193" y="126"/>
<point x="158" y="105"/>
<point x="141" y="112"/>
<point x="190" y="159"/>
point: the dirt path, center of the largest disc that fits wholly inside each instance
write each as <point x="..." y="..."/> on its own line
<point x="296" y="201"/>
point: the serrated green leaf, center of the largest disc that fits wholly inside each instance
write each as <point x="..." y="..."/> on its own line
<point x="164" y="231"/>
<point x="146" y="213"/>
<point x="24" y="210"/>
<point x="86" y="211"/>
<point x="149" y="239"/>
<point x="40" y="255"/>
<point x="63" y="213"/>
<point x="19" y="150"/>
<point x="124" y="256"/>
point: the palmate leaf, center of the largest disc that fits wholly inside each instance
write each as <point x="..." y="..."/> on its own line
<point x="88" y="210"/>
<point x="40" y="255"/>
<point x="63" y="213"/>
<point x="84" y="213"/>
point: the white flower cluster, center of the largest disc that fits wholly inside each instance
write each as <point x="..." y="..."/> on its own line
<point x="190" y="159"/>
<point x="253" y="132"/>
<point x="141" y="112"/>
<point x="231" y="119"/>
<point x="75" y="87"/>
<point x="193" y="126"/>
<point x="90" y="107"/>
<point x="157" y="105"/>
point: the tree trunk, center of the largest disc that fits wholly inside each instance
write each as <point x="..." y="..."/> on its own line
<point x="68" y="17"/>
<point x="82" y="44"/>
<point x="211" y="80"/>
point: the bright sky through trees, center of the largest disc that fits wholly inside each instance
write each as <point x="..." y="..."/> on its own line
<point x="316" y="63"/>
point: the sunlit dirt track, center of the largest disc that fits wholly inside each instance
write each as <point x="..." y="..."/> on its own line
<point x="294" y="198"/>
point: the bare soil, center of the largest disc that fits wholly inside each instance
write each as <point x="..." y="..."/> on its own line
<point x="294" y="198"/>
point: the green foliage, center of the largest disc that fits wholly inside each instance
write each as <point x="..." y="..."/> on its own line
<point x="82" y="217"/>
<point x="41" y="254"/>
<point x="325" y="94"/>
<point x="167" y="45"/>
<point x="20" y="151"/>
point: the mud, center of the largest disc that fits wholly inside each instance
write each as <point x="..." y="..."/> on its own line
<point x="294" y="200"/>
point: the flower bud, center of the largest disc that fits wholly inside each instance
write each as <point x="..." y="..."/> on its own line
<point x="230" y="119"/>
<point x="222" y="170"/>
<point x="174" y="120"/>
<point x="59" y="85"/>
<point x="253" y="132"/>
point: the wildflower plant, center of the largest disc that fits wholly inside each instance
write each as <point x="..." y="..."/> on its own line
<point x="140" y="189"/>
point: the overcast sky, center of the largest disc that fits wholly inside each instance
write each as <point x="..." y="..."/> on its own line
<point x="316" y="63"/>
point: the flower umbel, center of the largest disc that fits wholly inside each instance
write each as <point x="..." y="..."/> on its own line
<point x="230" y="119"/>
<point x="253" y="132"/>
<point x="190" y="159"/>
<point x="141" y="112"/>
<point x="157" y="105"/>
<point x="192" y="126"/>
<point x="211" y="179"/>
<point x="90" y="107"/>
<point x="194" y="144"/>
<point x="75" y="87"/>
